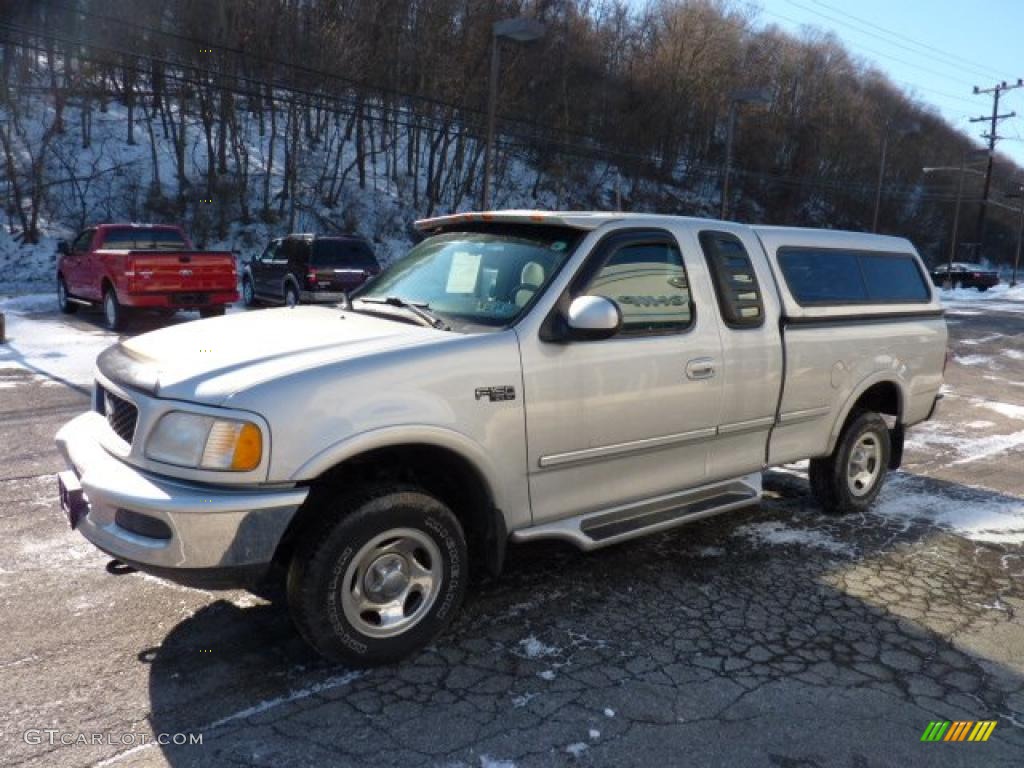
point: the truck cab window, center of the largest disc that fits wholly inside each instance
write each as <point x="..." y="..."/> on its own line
<point x="736" y="286"/>
<point x="648" y="281"/>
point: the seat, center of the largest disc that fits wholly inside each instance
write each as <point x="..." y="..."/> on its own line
<point x="530" y="280"/>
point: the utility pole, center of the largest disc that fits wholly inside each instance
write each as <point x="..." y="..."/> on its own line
<point x="1018" y="194"/>
<point x="993" y="137"/>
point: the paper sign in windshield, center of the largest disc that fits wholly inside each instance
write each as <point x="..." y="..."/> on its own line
<point x="463" y="273"/>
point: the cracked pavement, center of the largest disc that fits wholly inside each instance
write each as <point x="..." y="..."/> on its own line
<point x="777" y="636"/>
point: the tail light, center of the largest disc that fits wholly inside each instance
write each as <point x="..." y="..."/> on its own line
<point x="975" y="275"/>
<point x="311" y="277"/>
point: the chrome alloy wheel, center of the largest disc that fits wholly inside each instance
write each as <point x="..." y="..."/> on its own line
<point x="392" y="582"/>
<point x="864" y="465"/>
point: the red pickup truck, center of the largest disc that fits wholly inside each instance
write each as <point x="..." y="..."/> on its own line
<point x="129" y="266"/>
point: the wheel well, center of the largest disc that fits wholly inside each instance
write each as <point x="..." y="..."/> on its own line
<point x="439" y="471"/>
<point x="883" y="397"/>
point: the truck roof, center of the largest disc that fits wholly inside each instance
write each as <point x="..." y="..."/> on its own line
<point x="589" y="220"/>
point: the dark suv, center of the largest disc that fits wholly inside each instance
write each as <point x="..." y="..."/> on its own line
<point x="308" y="268"/>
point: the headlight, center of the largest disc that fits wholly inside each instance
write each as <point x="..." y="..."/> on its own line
<point x="204" y="442"/>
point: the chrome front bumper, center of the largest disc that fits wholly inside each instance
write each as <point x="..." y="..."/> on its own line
<point x="211" y="527"/>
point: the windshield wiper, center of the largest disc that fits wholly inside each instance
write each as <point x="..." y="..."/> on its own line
<point x="420" y="309"/>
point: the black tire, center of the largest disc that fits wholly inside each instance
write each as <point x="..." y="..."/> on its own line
<point x="211" y="311"/>
<point x="63" y="297"/>
<point x="334" y="557"/>
<point x="831" y="481"/>
<point x="983" y="288"/>
<point x="248" y="292"/>
<point x="114" y="315"/>
<point x="291" y="295"/>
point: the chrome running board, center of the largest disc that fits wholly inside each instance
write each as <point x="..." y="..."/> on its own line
<point x="628" y="521"/>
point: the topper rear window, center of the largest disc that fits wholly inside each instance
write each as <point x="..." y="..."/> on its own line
<point x="824" y="276"/>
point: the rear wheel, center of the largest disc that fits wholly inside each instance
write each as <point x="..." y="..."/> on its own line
<point x="248" y="292"/>
<point x="67" y="306"/>
<point x="850" y="479"/>
<point x="983" y="288"/>
<point x="211" y="311"/>
<point x="114" y="315"/>
<point x="379" y="576"/>
<point x="291" y="296"/>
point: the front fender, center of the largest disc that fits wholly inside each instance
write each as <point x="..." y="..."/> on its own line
<point x="390" y="437"/>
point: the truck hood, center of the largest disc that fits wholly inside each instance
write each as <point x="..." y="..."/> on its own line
<point x="210" y="360"/>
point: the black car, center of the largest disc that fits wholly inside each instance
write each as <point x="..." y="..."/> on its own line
<point x="308" y="268"/>
<point x="966" y="275"/>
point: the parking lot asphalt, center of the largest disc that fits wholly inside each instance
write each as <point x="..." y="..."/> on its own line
<point x="771" y="637"/>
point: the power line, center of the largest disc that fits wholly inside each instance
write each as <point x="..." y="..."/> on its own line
<point x="933" y="52"/>
<point x="878" y="53"/>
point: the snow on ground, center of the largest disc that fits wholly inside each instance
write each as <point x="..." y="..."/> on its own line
<point x="963" y="442"/>
<point x="775" y="533"/>
<point x="532" y="648"/>
<point x="992" y="519"/>
<point x="999" y="298"/>
<point x="48" y="346"/>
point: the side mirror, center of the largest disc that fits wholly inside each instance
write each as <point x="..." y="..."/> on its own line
<point x="63" y="248"/>
<point x="592" y="318"/>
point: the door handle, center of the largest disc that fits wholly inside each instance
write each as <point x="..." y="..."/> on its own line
<point x="700" y="368"/>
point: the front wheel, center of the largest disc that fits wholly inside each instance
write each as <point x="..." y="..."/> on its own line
<point x="983" y="288"/>
<point x="379" y="576"/>
<point x="850" y="479"/>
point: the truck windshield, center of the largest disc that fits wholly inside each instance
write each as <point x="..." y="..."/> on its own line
<point x="143" y="239"/>
<point x="478" y="278"/>
<point x="343" y="253"/>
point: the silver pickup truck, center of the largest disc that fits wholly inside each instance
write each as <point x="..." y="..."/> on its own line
<point x="589" y="377"/>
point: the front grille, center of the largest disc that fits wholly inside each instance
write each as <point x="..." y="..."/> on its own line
<point x="121" y="414"/>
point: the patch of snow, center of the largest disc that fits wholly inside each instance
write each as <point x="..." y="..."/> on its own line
<point x="1006" y="409"/>
<point x="981" y="424"/>
<point x="48" y="346"/>
<point x="968" y="448"/>
<point x="547" y="674"/>
<point x="609" y="712"/>
<point x="576" y="749"/>
<point x="973" y="359"/>
<point x="775" y="533"/>
<point x="330" y="683"/>
<point x="518" y="702"/>
<point x="594" y="734"/>
<point x="998" y="519"/>
<point x="486" y="761"/>
<point x="1013" y="354"/>
<point x="710" y="552"/>
<point x="533" y="648"/>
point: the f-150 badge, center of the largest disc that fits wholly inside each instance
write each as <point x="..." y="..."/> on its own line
<point x="496" y="394"/>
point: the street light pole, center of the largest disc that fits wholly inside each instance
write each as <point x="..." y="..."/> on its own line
<point x="881" y="177"/>
<point x="730" y="129"/>
<point x="492" y="101"/>
<point x="1019" y="194"/>
<point x="961" y="170"/>
<point x="743" y="96"/>
<point x="518" y="30"/>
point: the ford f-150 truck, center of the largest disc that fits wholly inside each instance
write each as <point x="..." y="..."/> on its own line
<point x="125" y="266"/>
<point x="589" y="377"/>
